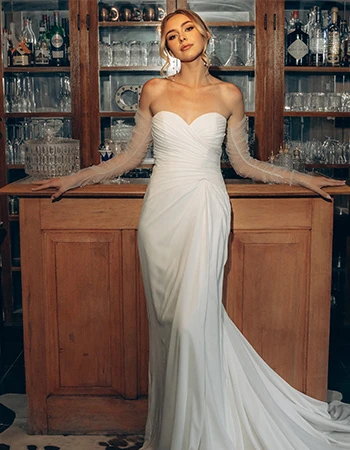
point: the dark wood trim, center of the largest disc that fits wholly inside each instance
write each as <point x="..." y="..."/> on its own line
<point x="75" y="68"/>
<point x="278" y="74"/>
<point x="91" y="119"/>
<point x="34" y="313"/>
<point x="38" y="70"/>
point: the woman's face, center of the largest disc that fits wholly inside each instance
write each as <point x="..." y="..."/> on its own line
<point x="183" y="39"/>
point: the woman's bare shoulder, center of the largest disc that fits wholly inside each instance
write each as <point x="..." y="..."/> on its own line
<point x="154" y="84"/>
<point x="152" y="89"/>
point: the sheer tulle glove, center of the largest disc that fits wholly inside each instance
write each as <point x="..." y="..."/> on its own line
<point x="132" y="157"/>
<point x="248" y="167"/>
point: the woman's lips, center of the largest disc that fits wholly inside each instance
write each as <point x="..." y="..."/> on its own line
<point x="186" y="47"/>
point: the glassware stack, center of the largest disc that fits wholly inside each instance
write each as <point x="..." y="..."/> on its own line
<point x="51" y="156"/>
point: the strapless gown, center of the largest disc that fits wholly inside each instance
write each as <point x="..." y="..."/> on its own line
<point x="208" y="388"/>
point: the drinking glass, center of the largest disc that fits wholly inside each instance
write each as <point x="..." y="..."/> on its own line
<point x="296" y="101"/>
<point x="346" y="101"/>
<point x="153" y="54"/>
<point x="120" y="52"/>
<point x="234" y="59"/>
<point x="317" y="101"/>
<point x="250" y="49"/>
<point x="105" y="54"/>
<point x="136" y="53"/>
<point x="213" y="51"/>
<point x="333" y="102"/>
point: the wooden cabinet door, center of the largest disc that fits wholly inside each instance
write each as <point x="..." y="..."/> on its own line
<point x="86" y="332"/>
<point x="277" y="285"/>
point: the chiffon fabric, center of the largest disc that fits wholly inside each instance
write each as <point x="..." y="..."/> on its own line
<point x="208" y="388"/>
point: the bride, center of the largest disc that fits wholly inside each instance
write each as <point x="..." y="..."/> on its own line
<point x="208" y="388"/>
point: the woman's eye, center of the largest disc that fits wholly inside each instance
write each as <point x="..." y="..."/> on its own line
<point x="190" y="28"/>
<point x="170" y="38"/>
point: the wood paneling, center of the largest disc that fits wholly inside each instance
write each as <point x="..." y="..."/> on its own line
<point x="86" y="328"/>
<point x="270" y="281"/>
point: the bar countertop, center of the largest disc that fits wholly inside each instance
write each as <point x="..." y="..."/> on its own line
<point x="136" y="188"/>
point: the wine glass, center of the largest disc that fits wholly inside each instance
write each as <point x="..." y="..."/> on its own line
<point x="214" y="45"/>
<point x="234" y="59"/>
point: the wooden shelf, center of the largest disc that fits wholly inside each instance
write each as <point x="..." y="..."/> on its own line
<point x="248" y="24"/>
<point x="130" y="69"/>
<point x="15" y="166"/>
<point x="13" y="217"/>
<point x="327" y="166"/>
<point x="131" y="24"/>
<point x="157" y="69"/>
<point x="48" y="69"/>
<point x="318" y="70"/>
<point x="15" y="269"/>
<point x="38" y="114"/>
<point x="315" y="114"/>
<point x="232" y="69"/>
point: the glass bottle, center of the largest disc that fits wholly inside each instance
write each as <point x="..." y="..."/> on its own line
<point x="317" y="44"/>
<point x="57" y="42"/>
<point x="294" y="18"/>
<point x="28" y="40"/>
<point x="344" y="44"/>
<point x="333" y="51"/>
<point x="42" y="49"/>
<point x="65" y="26"/>
<point x="325" y="24"/>
<point x="298" y="47"/>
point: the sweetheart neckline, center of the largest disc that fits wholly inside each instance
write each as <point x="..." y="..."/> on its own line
<point x="193" y="121"/>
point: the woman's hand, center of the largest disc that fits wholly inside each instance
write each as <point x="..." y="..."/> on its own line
<point x="316" y="183"/>
<point x="61" y="184"/>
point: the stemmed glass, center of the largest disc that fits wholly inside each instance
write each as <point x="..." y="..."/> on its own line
<point x="234" y="59"/>
<point x="214" y="44"/>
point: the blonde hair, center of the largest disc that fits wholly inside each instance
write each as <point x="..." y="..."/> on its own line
<point x="200" y="25"/>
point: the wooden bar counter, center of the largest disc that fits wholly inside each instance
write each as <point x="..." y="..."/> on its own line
<point x="85" y="322"/>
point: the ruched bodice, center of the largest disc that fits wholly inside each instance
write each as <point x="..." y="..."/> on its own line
<point x="208" y="388"/>
<point x="194" y="149"/>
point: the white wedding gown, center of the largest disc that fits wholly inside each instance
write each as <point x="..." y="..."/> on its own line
<point x="209" y="389"/>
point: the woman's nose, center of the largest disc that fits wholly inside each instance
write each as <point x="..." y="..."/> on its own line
<point x="182" y="38"/>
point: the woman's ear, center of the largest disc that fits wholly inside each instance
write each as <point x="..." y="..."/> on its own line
<point x="208" y="35"/>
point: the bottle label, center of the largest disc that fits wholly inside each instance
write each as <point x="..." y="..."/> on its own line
<point x="57" y="40"/>
<point x="42" y="56"/>
<point x="298" y="49"/>
<point x="333" y="48"/>
<point x="57" y="54"/>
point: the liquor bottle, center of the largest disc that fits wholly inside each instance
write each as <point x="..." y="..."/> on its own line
<point x="5" y="47"/>
<point x="28" y="40"/>
<point x="333" y="53"/>
<point x="9" y="48"/>
<point x="294" y="18"/>
<point x="298" y="47"/>
<point x="344" y="44"/>
<point x="42" y="49"/>
<point x="317" y="44"/>
<point x="65" y="26"/>
<point x="22" y="53"/>
<point x="325" y="24"/>
<point x="57" y="42"/>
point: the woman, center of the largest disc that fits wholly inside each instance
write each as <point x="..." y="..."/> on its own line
<point x="208" y="389"/>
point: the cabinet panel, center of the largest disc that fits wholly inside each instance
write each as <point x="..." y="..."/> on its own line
<point x="84" y="284"/>
<point x="270" y="273"/>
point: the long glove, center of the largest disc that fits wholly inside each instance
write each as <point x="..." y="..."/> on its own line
<point x="132" y="157"/>
<point x="248" y="167"/>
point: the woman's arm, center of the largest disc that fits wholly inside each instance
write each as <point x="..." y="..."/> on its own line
<point x="133" y="156"/>
<point x="246" y="166"/>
